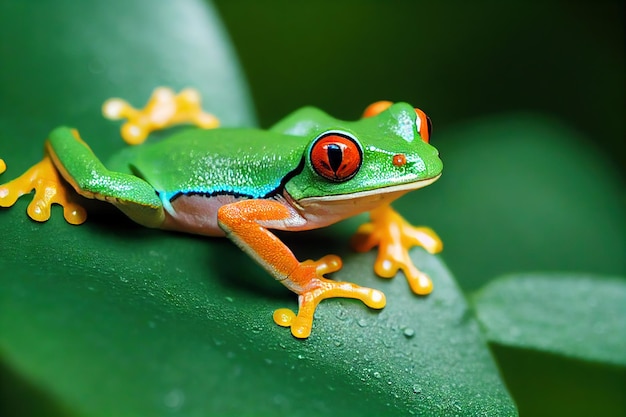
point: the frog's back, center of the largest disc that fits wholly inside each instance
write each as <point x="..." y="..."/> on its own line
<point x="243" y="162"/>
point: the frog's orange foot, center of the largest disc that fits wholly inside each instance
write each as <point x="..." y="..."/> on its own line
<point x="164" y="109"/>
<point x="315" y="288"/>
<point x="394" y="236"/>
<point x="49" y="188"/>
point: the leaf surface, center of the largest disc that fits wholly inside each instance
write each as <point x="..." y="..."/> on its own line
<point x="576" y="315"/>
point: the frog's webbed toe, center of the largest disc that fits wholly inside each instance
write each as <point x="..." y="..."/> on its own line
<point x="49" y="188"/>
<point x="315" y="288"/>
<point x="394" y="236"/>
<point x="163" y="109"/>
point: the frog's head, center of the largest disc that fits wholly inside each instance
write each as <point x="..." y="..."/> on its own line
<point x="381" y="156"/>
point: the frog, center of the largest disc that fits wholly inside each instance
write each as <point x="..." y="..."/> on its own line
<point x="308" y="171"/>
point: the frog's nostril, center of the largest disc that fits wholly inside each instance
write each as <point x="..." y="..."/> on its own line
<point x="399" y="159"/>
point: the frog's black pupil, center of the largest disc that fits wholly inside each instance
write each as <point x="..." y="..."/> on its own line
<point x="335" y="156"/>
<point x="429" y="124"/>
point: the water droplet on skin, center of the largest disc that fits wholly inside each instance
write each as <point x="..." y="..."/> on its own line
<point x="362" y="323"/>
<point x="377" y="375"/>
<point x="300" y="356"/>
<point x="409" y="332"/>
<point x="229" y="299"/>
<point x="417" y="389"/>
<point x="337" y="343"/>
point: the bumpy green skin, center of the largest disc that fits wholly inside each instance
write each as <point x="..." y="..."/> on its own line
<point x="255" y="163"/>
<point x="245" y="162"/>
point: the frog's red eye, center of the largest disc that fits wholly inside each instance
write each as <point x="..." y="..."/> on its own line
<point x="336" y="156"/>
<point x="424" y="125"/>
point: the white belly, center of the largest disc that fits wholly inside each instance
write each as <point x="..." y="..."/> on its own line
<point x="196" y="214"/>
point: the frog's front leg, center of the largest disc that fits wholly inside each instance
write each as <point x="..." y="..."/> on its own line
<point x="394" y="236"/>
<point x="68" y="160"/>
<point x="49" y="189"/>
<point x="247" y="222"/>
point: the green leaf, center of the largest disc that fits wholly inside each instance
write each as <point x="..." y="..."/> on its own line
<point x="577" y="315"/>
<point x="158" y="328"/>
<point x="113" y="319"/>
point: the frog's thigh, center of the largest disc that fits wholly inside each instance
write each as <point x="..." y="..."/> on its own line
<point x="247" y="222"/>
<point x="89" y="177"/>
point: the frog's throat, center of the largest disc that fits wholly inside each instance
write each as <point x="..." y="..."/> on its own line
<point x="324" y="211"/>
<point x="377" y="196"/>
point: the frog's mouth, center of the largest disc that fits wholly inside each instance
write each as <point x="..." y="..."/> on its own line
<point x="392" y="192"/>
<point x="326" y="210"/>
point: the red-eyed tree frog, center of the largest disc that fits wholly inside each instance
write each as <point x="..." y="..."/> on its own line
<point x="309" y="170"/>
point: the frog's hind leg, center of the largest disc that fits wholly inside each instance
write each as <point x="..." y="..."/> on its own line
<point x="164" y="109"/>
<point x="89" y="177"/>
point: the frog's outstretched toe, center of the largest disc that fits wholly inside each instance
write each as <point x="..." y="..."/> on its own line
<point x="49" y="188"/>
<point x="316" y="288"/>
<point x="394" y="236"/>
<point x="163" y="109"/>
